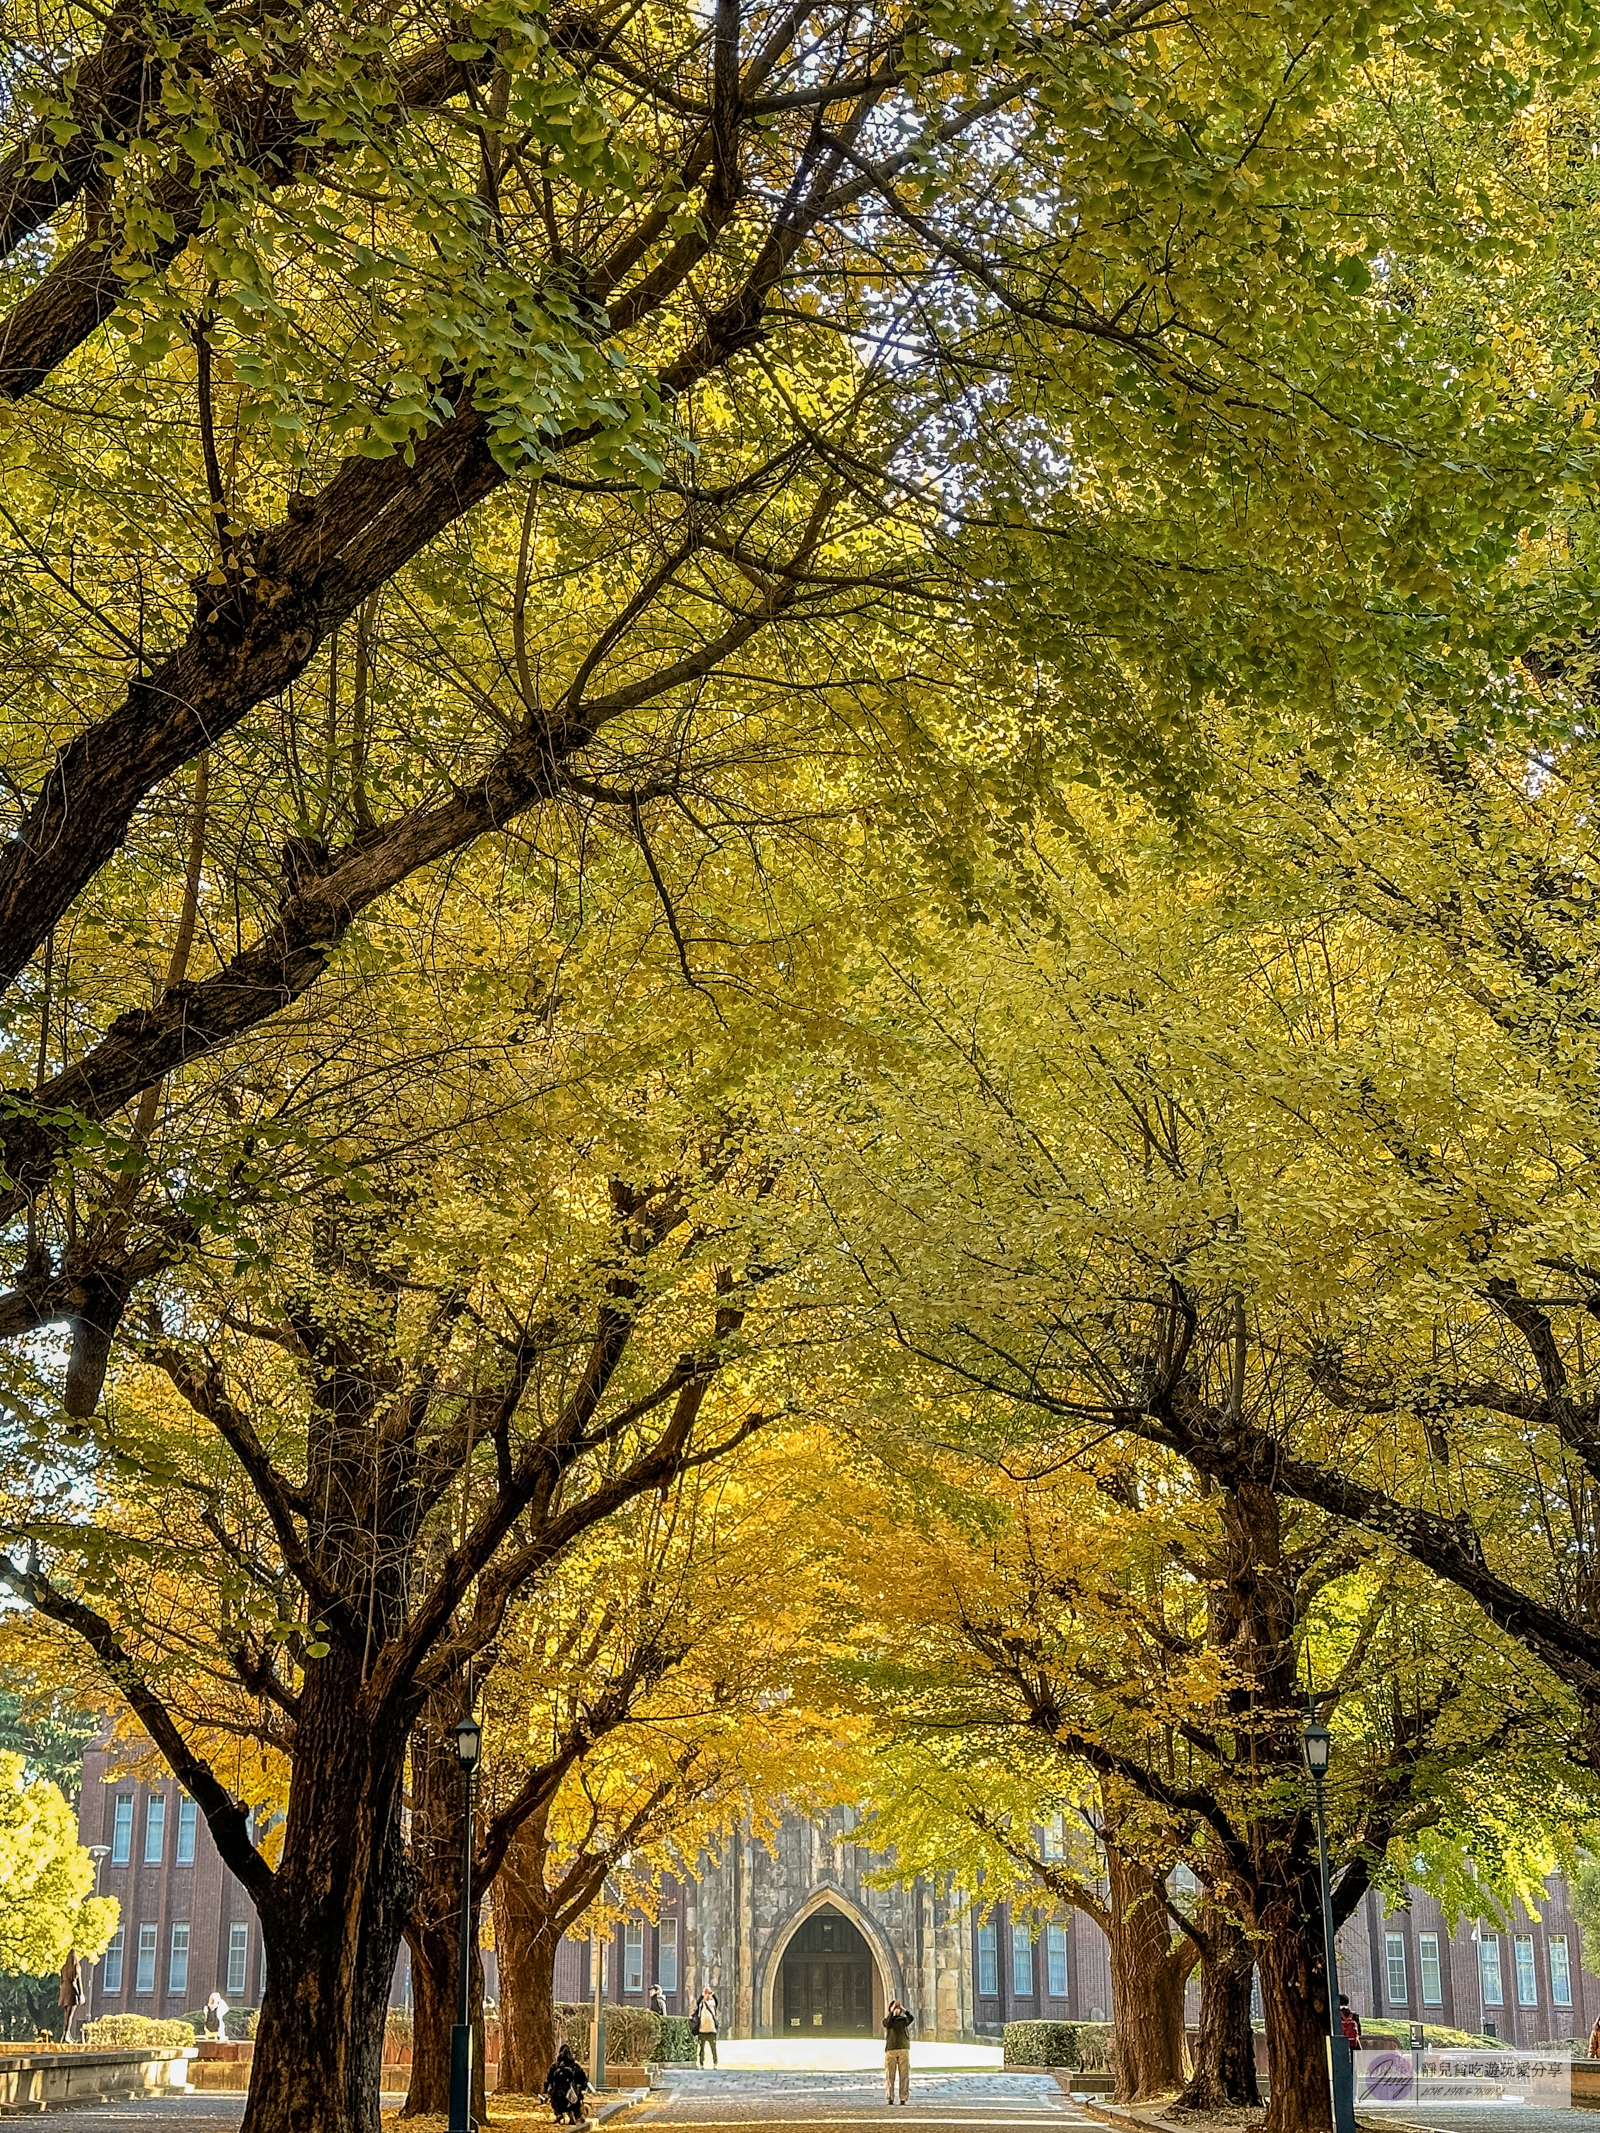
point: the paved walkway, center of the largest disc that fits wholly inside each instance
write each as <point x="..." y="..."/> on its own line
<point x="845" y="2054"/>
<point x="809" y="2096"/>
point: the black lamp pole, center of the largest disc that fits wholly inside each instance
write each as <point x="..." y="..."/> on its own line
<point x="469" y="1744"/>
<point x="1341" y="2074"/>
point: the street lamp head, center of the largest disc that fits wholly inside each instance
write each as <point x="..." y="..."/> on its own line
<point x="1316" y="1742"/>
<point x="99" y="1851"/>
<point x="469" y="1743"/>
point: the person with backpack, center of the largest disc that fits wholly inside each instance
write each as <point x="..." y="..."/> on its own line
<point x="897" y="2052"/>
<point x="705" y="2024"/>
<point x="1350" y="2023"/>
<point x="564" y="2086"/>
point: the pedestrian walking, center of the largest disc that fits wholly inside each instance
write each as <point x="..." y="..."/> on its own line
<point x="1350" y="2023"/>
<point x="217" y="2018"/>
<point x="897" y="2052"/>
<point x="705" y="2025"/>
<point x="72" y="1994"/>
<point x="564" y="2086"/>
<point x="658" y="2000"/>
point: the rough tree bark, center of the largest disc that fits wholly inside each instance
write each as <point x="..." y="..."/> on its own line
<point x="1294" y="2000"/>
<point x="433" y="1929"/>
<point x="527" y="1933"/>
<point x="1224" y="2053"/>
<point x="333" y="1922"/>
<point x="1148" y="1974"/>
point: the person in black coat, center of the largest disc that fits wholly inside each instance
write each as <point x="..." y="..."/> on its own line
<point x="564" y="2086"/>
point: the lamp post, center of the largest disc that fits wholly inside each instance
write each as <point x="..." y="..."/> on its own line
<point x="469" y="1744"/>
<point x="97" y="1852"/>
<point x="1317" y="1743"/>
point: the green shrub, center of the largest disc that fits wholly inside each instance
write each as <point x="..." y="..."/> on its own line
<point x="1084" y="2047"/>
<point x="676" y="2045"/>
<point x="120" y="2032"/>
<point x="634" y="2035"/>
<point x="1041" y="2044"/>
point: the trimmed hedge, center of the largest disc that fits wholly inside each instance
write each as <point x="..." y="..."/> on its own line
<point x="1083" y="2047"/>
<point x="675" y="2046"/>
<point x="119" y="2032"/>
<point x="633" y="2034"/>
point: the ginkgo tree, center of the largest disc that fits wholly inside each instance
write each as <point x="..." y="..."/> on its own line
<point x="46" y="1878"/>
<point x="315" y="322"/>
<point x="529" y="1289"/>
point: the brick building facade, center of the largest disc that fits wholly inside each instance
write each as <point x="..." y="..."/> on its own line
<point x="797" y="1939"/>
<point x="188" y="1929"/>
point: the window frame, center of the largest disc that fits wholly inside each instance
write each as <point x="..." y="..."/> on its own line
<point x="1055" y="1961"/>
<point x="111" y="1963"/>
<point x="667" y="1954"/>
<point x="1022" y="1939"/>
<point x="1428" y="1957"/>
<point x="1527" y="1969"/>
<point x="238" y="1945"/>
<point x="188" y="1819"/>
<point x="632" y="1955"/>
<point x="122" y="1829"/>
<point x="1394" y="1949"/>
<point x="989" y="1960"/>
<point x="1560" y="1986"/>
<point x="178" y="1959"/>
<point x="155" y="1828"/>
<point x="1491" y="1973"/>
<point x="145" y="1961"/>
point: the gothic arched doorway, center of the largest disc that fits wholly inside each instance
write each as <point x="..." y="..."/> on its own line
<point x="825" y="1979"/>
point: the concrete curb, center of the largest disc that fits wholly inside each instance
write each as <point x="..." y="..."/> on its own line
<point x="614" y="2104"/>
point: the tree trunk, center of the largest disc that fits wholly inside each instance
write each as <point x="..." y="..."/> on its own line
<point x="332" y="1927"/>
<point x="436" y="1986"/>
<point x="438" y="1810"/>
<point x="1148" y="1975"/>
<point x="526" y="1938"/>
<point x="1225" y="2051"/>
<point x="1295" y="2002"/>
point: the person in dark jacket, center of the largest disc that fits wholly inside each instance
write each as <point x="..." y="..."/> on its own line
<point x="897" y="2052"/>
<point x="564" y="2086"/>
<point x="658" y="2000"/>
<point x="72" y="1994"/>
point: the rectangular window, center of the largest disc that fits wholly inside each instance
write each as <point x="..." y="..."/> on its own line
<point x="1428" y="1964"/>
<point x="1055" y="1837"/>
<point x="1527" y="1977"/>
<point x="1022" y="1962"/>
<point x="238" y="1955"/>
<point x="122" y="1829"/>
<point x="155" y="1827"/>
<point x="633" y="1956"/>
<point x="988" y="1961"/>
<point x="1055" y="1948"/>
<point x="178" y="1961"/>
<point x="111" y="1968"/>
<point x="186" y="1821"/>
<point x="1560" y="1971"/>
<point x="1489" y="1969"/>
<point x="1394" y="1948"/>
<point x="144" y="1976"/>
<point x="667" y="1955"/>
